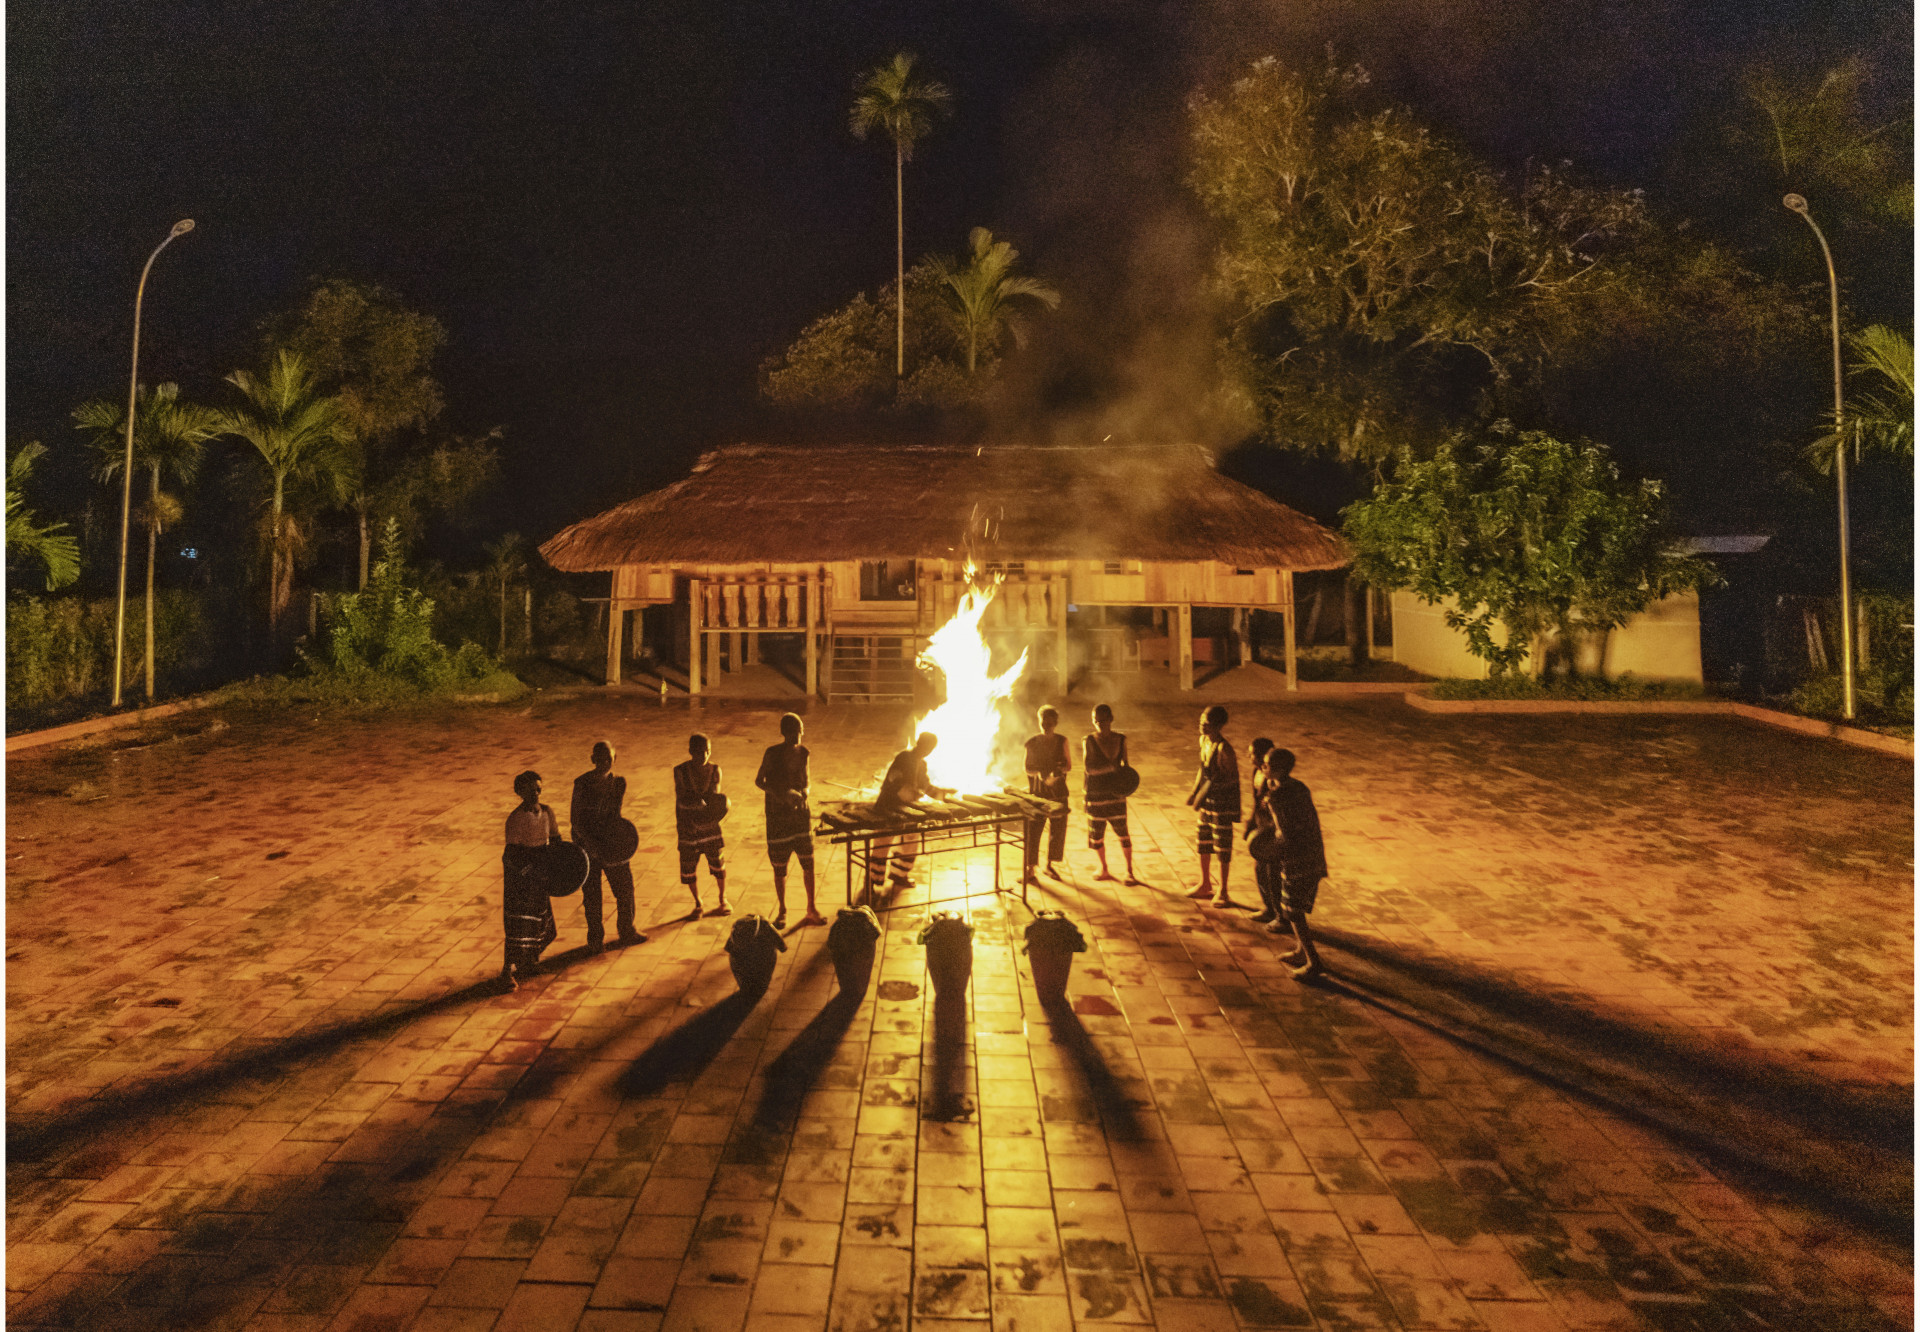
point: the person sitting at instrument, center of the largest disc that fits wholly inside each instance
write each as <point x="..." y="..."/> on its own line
<point x="526" y="912"/>
<point x="783" y="776"/>
<point x="1106" y="755"/>
<point x="906" y="782"/>
<point x="593" y="818"/>
<point x="696" y="819"/>
<point x="1048" y="764"/>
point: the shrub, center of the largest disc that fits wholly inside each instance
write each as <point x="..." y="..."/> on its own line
<point x="387" y="631"/>
<point x="1576" y="688"/>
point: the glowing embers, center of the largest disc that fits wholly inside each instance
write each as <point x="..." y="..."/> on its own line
<point x="968" y="723"/>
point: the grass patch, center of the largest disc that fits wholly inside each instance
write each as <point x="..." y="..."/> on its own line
<point x="363" y="691"/>
<point x="1568" y="689"/>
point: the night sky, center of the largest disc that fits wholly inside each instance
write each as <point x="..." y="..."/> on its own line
<point x="619" y="210"/>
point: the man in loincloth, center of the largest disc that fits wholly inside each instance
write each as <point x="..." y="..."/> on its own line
<point x="526" y="912"/>
<point x="593" y="816"/>
<point x="694" y="783"/>
<point x="1104" y="756"/>
<point x="783" y="776"/>
<point x="1048" y="764"/>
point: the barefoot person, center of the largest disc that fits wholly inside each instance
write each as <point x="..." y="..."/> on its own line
<point x="1048" y="764"/>
<point x="1303" y="859"/>
<point x="906" y="782"/>
<point x="1216" y="796"/>
<point x="695" y="783"/>
<point x="594" y="819"/>
<point x="526" y="912"/>
<point x="783" y="776"/>
<point x="1105" y="755"/>
<point x="1265" y="874"/>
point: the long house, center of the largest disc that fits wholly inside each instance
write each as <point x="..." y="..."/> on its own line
<point x="844" y="559"/>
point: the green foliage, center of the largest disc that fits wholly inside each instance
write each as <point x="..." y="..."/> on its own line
<point x="50" y="545"/>
<point x="61" y="648"/>
<point x="371" y="353"/>
<point x="898" y="102"/>
<point x="1523" y="532"/>
<point x="1879" y="697"/>
<point x="387" y="630"/>
<point x="1371" y="269"/>
<point x="1583" y="689"/>
<point x="980" y="292"/>
<point x="1816" y="134"/>
<point x="1881" y="419"/>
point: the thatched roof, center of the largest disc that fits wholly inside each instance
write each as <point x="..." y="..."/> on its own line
<point x="756" y="503"/>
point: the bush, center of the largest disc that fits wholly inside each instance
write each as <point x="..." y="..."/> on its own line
<point x="1879" y="696"/>
<point x="61" y="648"/>
<point x="385" y="633"/>
<point x="1575" y="688"/>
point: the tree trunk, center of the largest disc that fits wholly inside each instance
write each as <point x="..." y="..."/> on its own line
<point x="366" y="547"/>
<point x="503" y="619"/>
<point x="899" y="261"/>
<point x="153" y="546"/>
<point x="1356" y="623"/>
<point x="527" y="637"/>
<point x="273" y="566"/>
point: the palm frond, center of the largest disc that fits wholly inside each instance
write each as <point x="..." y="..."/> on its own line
<point x="50" y="545"/>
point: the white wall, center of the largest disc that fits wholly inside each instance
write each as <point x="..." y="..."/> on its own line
<point x="1660" y="643"/>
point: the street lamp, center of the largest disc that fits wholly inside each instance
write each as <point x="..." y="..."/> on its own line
<point x="1796" y="203"/>
<point x="180" y="228"/>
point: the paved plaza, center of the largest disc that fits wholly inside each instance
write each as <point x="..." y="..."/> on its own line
<point x="1617" y="1034"/>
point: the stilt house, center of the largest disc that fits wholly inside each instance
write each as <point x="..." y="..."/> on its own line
<point x="840" y="561"/>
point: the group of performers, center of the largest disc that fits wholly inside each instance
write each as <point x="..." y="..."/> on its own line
<point x="1284" y="831"/>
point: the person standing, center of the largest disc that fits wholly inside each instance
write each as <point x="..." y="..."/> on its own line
<point x="1216" y="797"/>
<point x="1048" y="764"/>
<point x="696" y="783"/>
<point x="905" y="783"/>
<point x="783" y="776"/>
<point x="526" y="912"/>
<point x="1303" y="860"/>
<point x="594" y="819"/>
<point x="1266" y="873"/>
<point x="1105" y="756"/>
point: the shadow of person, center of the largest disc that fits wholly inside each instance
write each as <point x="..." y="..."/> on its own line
<point x="681" y="1054"/>
<point x="1118" y="1111"/>
<point x="794" y="1071"/>
<point x="947" y="1100"/>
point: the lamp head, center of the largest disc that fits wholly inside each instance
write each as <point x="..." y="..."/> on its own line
<point x="1796" y="203"/>
<point x="182" y="227"/>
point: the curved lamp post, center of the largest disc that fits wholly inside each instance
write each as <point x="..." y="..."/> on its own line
<point x="1796" y="203"/>
<point x="180" y="228"/>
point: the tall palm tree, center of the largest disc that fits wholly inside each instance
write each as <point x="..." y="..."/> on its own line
<point x="901" y="104"/>
<point x="168" y="438"/>
<point x="302" y="439"/>
<point x="50" y="545"/>
<point x="980" y="293"/>
<point x="1880" y="422"/>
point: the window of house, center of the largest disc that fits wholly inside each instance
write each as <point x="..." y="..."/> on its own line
<point x="1114" y="567"/>
<point x="1009" y="568"/>
<point x="1243" y="573"/>
<point x="887" y="580"/>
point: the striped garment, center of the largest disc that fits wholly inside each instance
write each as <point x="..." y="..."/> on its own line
<point x="1219" y="800"/>
<point x="699" y="832"/>
<point x="783" y="770"/>
<point x="526" y="912"/>
<point x="1103" y="760"/>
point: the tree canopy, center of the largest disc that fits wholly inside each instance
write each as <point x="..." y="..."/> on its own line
<point x="981" y="290"/>
<point x="1520" y="531"/>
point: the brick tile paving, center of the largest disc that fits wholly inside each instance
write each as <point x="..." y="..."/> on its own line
<point x="253" y="1081"/>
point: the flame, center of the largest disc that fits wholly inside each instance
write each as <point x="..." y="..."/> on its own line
<point x="968" y="723"/>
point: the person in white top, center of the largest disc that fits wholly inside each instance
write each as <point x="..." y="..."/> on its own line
<point x="526" y="912"/>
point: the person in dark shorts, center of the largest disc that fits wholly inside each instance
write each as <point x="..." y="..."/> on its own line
<point x="1303" y="860"/>
<point x="1259" y="817"/>
<point x="1048" y="764"/>
<point x="597" y="797"/>
<point x="1216" y="797"/>
<point x="694" y="783"/>
<point x="526" y="912"/>
<point x="783" y="776"/>
<point x="906" y="781"/>
<point x="1105" y="754"/>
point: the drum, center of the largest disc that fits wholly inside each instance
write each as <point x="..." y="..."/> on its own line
<point x="717" y="806"/>
<point x="1125" y="781"/>
<point x="562" y="868"/>
<point x="618" y="843"/>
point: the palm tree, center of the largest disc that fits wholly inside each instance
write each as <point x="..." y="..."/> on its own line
<point x="1875" y="422"/>
<point x="50" y="544"/>
<point x="301" y="438"/>
<point x="168" y="439"/>
<point x="893" y="99"/>
<point x="506" y="562"/>
<point x="979" y="294"/>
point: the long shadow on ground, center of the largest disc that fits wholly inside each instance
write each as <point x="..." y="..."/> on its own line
<point x="1846" y="1149"/>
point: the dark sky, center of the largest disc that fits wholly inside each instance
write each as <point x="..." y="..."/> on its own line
<point x="618" y="210"/>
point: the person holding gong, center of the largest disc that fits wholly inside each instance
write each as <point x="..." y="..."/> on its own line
<point x="599" y="827"/>
<point x="1106" y="787"/>
<point x="698" y="807"/>
<point x="526" y="911"/>
<point x="783" y="776"/>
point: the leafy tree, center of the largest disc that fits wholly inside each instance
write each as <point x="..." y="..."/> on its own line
<point x="1372" y="270"/>
<point x="901" y="104"/>
<point x="387" y="629"/>
<point x="1879" y="421"/>
<point x="506" y="565"/>
<point x="50" y="545"/>
<point x="375" y="357"/>
<point x="301" y="438"/>
<point x="169" y="437"/>
<point x="1519" y="530"/>
<point x="1815" y="130"/>
<point x="981" y="290"/>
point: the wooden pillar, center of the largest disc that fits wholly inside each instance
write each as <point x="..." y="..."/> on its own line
<point x="1367" y="609"/>
<point x="810" y="594"/>
<point x="1243" y="633"/>
<point x="1060" y="637"/>
<point x="1183" y="642"/>
<point x="696" y="633"/>
<point x="616" y="622"/>
<point x="1293" y="647"/>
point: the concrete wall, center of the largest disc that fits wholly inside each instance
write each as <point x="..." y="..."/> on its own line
<point x="1660" y="643"/>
